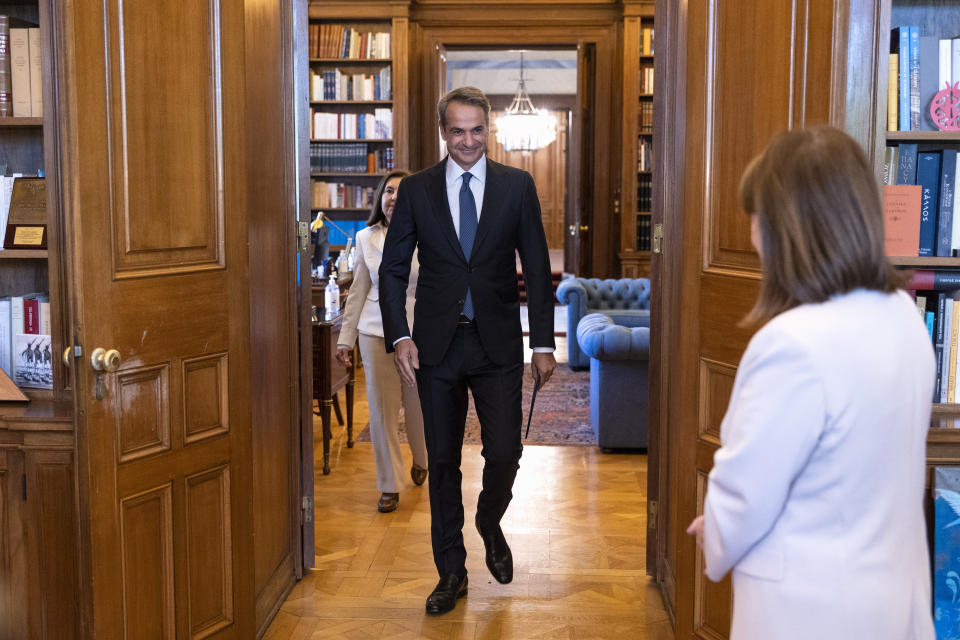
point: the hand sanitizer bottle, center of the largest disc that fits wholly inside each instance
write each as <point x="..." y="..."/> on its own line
<point x="331" y="298"/>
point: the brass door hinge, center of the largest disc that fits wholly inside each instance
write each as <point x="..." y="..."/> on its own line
<point x="303" y="232"/>
<point x="657" y="237"/>
<point x="307" y="509"/>
<point x="652" y="514"/>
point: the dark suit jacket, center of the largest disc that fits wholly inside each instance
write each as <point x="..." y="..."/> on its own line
<point x="509" y="221"/>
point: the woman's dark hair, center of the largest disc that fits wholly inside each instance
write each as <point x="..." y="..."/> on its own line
<point x="376" y="211"/>
<point x="817" y="201"/>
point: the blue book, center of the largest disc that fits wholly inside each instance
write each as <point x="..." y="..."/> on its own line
<point x="907" y="164"/>
<point x="902" y="36"/>
<point x="929" y="76"/>
<point x="948" y="173"/>
<point x="914" y="78"/>
<point x="928" y="177"/>
<point x="928" y="316"/>
<point x="946" y="551"/>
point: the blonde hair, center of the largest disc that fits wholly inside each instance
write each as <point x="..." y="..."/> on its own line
<point x="821" y="222"/>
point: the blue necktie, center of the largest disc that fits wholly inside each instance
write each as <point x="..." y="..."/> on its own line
<point x="468" y="231"/>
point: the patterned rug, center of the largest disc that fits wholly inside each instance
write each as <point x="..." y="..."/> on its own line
<point x="561" y="416"/>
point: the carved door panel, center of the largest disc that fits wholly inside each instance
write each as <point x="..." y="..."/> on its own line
<point x="751" y="70"/>
<point x="155" y="179"/>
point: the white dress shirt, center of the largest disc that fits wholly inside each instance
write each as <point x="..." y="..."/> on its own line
<point x="455" y="183"/>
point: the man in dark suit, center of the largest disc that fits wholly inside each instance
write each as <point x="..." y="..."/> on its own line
<point x="468" y="217"/>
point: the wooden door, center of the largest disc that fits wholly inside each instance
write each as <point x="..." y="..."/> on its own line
<point x="155" y="181"/>
<point x="548" y="166"/>
<point x="746" y="71"/>
<point x="576" y="250"/>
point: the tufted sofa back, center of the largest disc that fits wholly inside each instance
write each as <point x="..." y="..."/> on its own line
<point x="625" y="293"/>
<point x="625" y="300"/>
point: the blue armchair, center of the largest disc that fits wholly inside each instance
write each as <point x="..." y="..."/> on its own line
<point x="619" y="383"/>
<point x="626" y="301"/>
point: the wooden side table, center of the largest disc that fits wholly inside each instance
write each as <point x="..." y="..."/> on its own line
<point x="329" y="376"/>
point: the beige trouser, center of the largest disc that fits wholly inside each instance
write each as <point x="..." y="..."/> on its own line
<point x="386" y="393"/>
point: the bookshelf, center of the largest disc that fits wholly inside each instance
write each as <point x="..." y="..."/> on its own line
<point x="934" y="21"/>
<point x="37" y="438"/>
<point x="637" y="154"/>
<point x="358" y="90"/>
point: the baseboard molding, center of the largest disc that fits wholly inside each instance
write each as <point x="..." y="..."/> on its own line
<point x="274" y="593"/>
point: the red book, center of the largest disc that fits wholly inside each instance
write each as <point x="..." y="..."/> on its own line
<point x="31" y="315"/>
<point x="901" y="219"/>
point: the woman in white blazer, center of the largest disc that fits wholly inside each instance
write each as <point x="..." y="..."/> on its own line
<point x="815" y="497"/>
<point x="386" y="393"/>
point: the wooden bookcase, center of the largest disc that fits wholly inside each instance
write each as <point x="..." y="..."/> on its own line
<point x="331" y="18"/>
<point x="637" y="158"/>
<point x="940" y="19"/>
<point x="37" y="493"/>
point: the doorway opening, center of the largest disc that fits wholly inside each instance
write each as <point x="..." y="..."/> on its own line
<point x="551" y="77"/>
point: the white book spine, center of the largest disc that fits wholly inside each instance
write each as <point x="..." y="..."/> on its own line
<point x="955" y="61"/>
<point x="20" y="71"/>
<point x="36" y="73"/>
<point x="944" y="64"/>
<point x="45" y="318"/>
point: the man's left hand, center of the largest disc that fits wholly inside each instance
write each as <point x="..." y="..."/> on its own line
<point x="544" y="364"/>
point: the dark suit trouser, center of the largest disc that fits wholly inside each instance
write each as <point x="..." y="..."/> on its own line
<point x="443" y="398"/>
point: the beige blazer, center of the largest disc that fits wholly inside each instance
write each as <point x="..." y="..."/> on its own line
<point x="815" y="499"/>
<point x="362" y="313"/>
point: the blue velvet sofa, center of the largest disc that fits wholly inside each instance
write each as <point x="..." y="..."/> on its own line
<point x="626" y="301"/>
<point x="619" y="387"/>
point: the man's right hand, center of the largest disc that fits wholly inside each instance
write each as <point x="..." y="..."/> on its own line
<point x="407" y="361"/>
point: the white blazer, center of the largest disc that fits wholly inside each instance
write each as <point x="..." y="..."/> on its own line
<point x="362" y="313"/>
<point x="815" y="499"/>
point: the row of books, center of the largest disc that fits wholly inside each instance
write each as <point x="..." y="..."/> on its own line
<point x="349" y="158"/>
<point x="646" y="117"/>
<point x="21" y="83"/>
<point x="921" y="210"/>
<point x="333" y="84"/>
<point x="339" y="41"/>
<point x="646" y="80"/>
<point x="645" y="193"/>
<point x="920" y="67"/>
<point x="25" y="340"/>
<point x="941" y="312"/>
<point x="336" y="195"/>
<point x="643" y="232"/>
<point x="644" y="154"/>
<point x="352" y="126"/>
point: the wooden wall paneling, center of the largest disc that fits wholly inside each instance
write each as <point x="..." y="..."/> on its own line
<point x="476" y="31"/>
<point x="14" y="602"/>
<point x="775" y="53"/>
<point x="275" y="354"/>
<point x="155" y="300"/>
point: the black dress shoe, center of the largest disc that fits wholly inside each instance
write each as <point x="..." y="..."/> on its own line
<point x="499" y="559"/>
<point x="445" y="595"/>
<point x="418" y="475"/>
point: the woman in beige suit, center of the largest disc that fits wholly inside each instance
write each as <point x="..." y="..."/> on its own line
<point x="815" y="499"/>
<point x="386" y="393"/>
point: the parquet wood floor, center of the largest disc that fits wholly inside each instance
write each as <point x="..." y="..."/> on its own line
<point x="576" y="526"/>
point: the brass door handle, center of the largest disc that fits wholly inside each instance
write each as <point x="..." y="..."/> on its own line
<point x="584" y="228"/>
<point x="103" y="360"/>
<point x="66" y="356"/>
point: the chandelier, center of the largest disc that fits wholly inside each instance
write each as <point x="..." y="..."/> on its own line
<point x="523" y="127"/>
